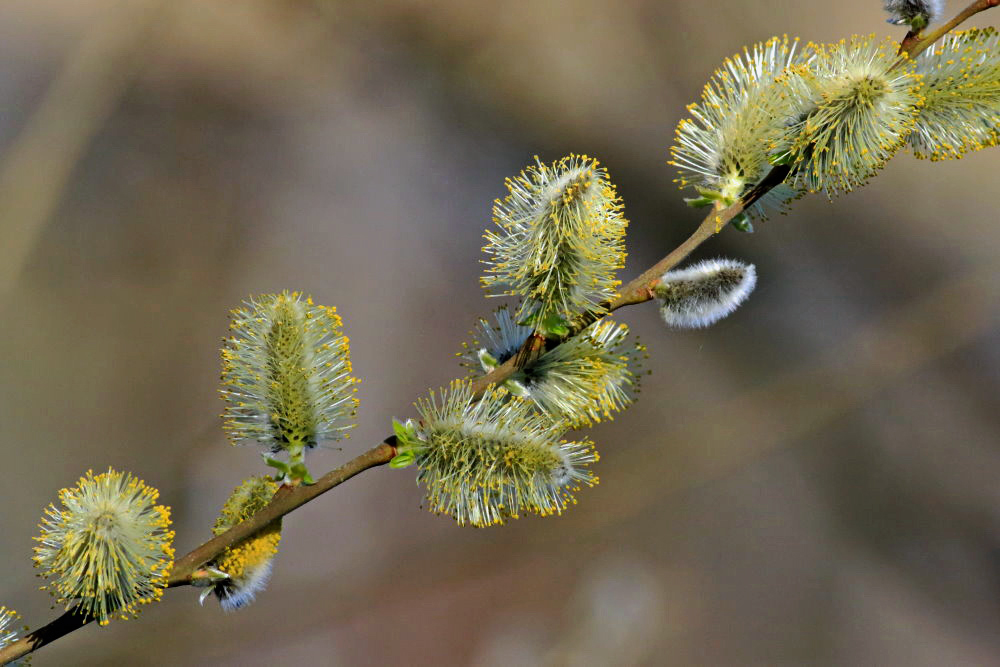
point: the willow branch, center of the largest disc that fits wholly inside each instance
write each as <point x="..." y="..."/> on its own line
<point x="914" y="44"/>
<point x="47" y="634"/>
<point x="287" y="498"/>
<point x="639" y="290"/>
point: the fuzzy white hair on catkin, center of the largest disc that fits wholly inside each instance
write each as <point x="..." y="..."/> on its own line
<point x="238" y="593"/>
<point x="704" y="293"/>
<point x="904" y="11"/>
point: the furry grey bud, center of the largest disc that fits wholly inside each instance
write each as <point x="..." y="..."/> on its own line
<point x="914" y="13"/>
<point x="704" y="293"/>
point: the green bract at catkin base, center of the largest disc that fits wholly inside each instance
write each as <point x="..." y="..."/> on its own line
<point x="108" y="547"/>
<point x="722" y="150"/>
<point x="559" y="242"/>
<point x="242" y="570"/>
<point x="962" y="86"/>
<point x="286" y="378"/>
<point x="858" y="101"/>
<point x="488" y="460"/>
<point x="580" y="382"/>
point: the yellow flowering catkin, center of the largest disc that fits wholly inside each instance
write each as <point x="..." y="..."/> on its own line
<point x="247" y="564"/>
<point x="559" y="239"/>
<point x="857" y="100"/>
<point x="581" y="382"/>
<point x="108" y="546"/>
<point x="488" y="460"/>
<point x="286" y="375"/>
<point x="962" y="88"/>
<point x="722" y="150"/>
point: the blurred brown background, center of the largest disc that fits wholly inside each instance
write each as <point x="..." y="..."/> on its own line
<point x="813" y="481"/>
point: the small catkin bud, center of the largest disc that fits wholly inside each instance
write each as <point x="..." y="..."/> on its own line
<point x="560" y="239"/>
<point x="962" y="86"/>
<point x="722" y="151"/>
<point x="286" y="377"/>
<point x="857" y="101"/>
<point x="581" y="382"/>
<point x="108" y="547"/>
<point x="914" y="13"/>
<point x="244" y="569"/>
<point x="488" y="460"/>
<point x="702" y="294"/>
<point x="8" y="633"/>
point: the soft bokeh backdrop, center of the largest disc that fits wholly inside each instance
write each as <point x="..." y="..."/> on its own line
<point x="814" y="480"/>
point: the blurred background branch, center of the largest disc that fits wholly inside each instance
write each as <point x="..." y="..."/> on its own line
<point x="37" y="166"/>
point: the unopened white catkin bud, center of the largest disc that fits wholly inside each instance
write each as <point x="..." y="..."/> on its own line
<point x="914" y="13"/>
<point x="702" y="294"/>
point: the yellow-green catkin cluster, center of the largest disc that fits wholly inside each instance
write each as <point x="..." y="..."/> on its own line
<point x="559" y="240"/>
<point x="857" y="102"/>
<point x="961" y="75"/>
<point x="108" y="547"/>
<point x="286" y="377"/>
<point x="489" y="460"/>
<point x="581" y="382"/>
<point x="244" y="568"/>
<point x="722" y="150"/>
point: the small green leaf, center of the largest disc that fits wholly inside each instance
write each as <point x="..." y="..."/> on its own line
<point x="399" y="428"/>
<point x="742" y="223"/>
<point x="515" y="388"/>
<point x="280" y="466"/>
<point x="530" y="320"/>
<point x="781" y="159"/>
<point x="555" y="325"/>
<point x="699" y="202"/>
<point x="713" y="195"/>
<point x="300" y="472"/>
<point x="487" y="360"/>
<point x="402" y="460"/>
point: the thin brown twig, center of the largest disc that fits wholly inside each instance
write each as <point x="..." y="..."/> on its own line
<point x="290" y="498"/>
<point x="38" y="166"/>
<point x="639" y="290"/>
<point x="914" y="44"/>
<point x="285" y="500"/>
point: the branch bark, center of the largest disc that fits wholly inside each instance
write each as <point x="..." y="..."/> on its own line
<point x="914" y="44"/>
<point x="285" y="500"/>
